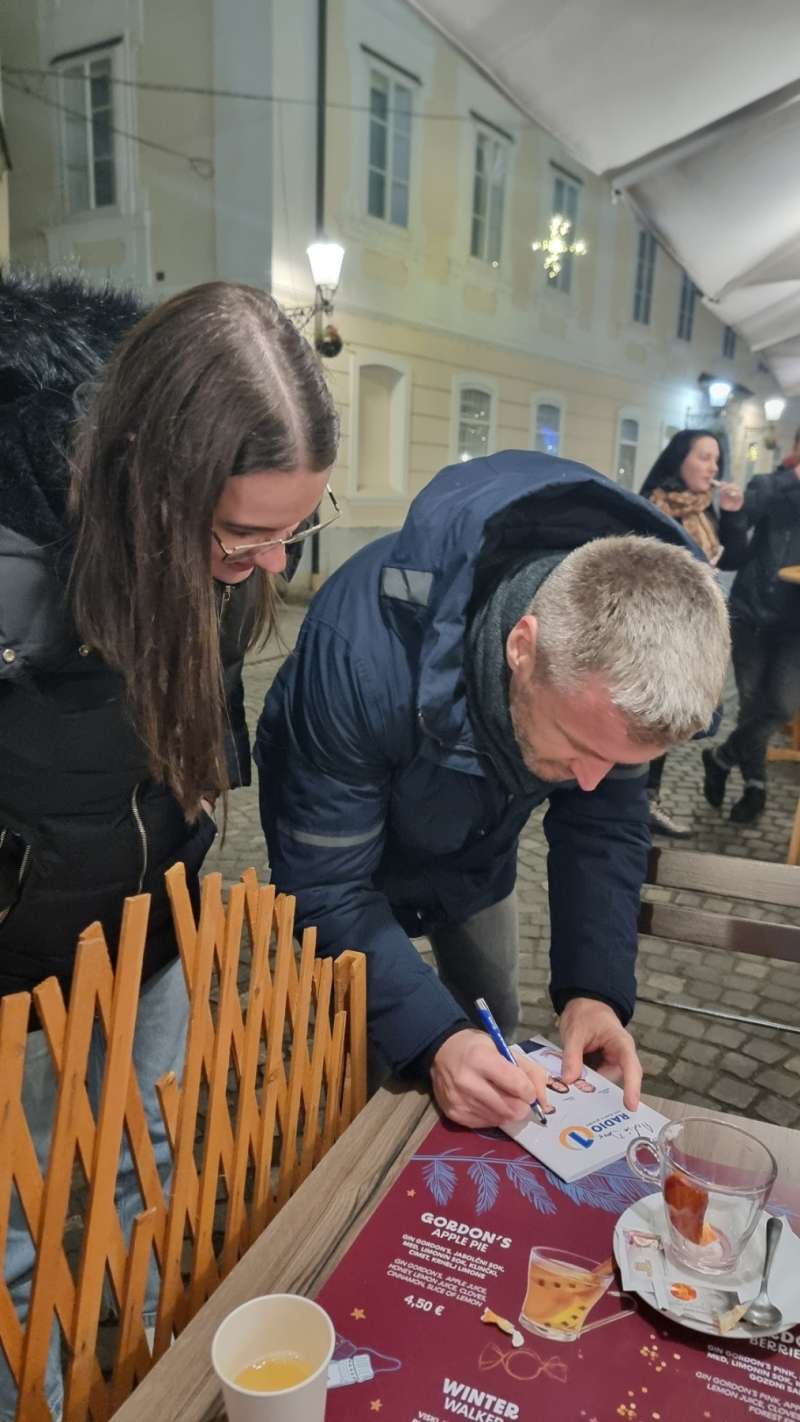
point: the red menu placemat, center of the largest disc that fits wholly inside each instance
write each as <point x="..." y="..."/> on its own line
<point x="474" y="1223"/>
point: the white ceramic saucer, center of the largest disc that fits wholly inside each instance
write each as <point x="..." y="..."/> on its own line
<point x="647" y="1215"/>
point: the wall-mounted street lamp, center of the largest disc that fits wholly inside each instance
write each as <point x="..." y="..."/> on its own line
<point x="773" y="409"/>
<point x="325" y="260"/>
<point x="719" y="393"/>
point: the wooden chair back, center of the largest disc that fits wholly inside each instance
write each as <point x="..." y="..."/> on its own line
<point x="271" y="1079"/>
<point x="792" y="751"/>
<point x="793" y="857"/>
<point x="750" y="880"/>
<point x="702" y="925"/>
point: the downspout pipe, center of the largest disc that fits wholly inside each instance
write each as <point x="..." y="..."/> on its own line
<point x="322" y="75"/>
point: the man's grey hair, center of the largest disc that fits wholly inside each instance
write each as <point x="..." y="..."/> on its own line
<point x="646" y="617"/>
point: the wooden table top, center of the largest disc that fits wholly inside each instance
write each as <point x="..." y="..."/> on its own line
<point x="790" y="574"/>
<point x="302" y="1246"/>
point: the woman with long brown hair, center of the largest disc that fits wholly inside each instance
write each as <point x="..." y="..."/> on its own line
<point x="146" y="504"/>
<point x="682" y="483"/>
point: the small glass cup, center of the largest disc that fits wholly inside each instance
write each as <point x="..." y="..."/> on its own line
<point x="715" y="1179"/>
<point x="276" y="1325"/>
<point x="562" y="1290"/>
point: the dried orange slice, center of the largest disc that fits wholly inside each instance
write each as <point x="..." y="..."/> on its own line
<point x="685" y="1292"/>
<point x="686" y="1206"/>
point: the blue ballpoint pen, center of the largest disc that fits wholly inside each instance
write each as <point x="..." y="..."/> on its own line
<point x="487" y="1018"/>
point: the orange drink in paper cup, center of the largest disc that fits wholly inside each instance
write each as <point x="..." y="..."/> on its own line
<point x="271" y="1356"/>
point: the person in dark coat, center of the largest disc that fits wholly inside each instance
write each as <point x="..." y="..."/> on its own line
<point x="765" y="639"/>
<point x="682" y="483"/>
<point x="152" y="468"/>
<point x="532" y="632"/>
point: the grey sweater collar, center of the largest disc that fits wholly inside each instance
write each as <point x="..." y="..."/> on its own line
<point x="488" y="676"/>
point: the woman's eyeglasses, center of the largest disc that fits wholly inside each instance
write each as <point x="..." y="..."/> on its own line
<point x="305" y="530"/>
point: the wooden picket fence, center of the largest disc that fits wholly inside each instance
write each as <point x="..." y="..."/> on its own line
<point x="271" y="1079"/>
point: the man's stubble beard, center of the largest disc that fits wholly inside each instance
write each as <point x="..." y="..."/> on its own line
<point x="522" y="702"/>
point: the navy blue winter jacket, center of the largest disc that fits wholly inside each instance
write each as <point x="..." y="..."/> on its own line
<point x="381" y="813"/>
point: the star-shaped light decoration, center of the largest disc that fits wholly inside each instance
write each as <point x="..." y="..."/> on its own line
<point x="556" y="245"/>
<point x="411" y="1194"/>
<point x="376" y="1405"/>
<point x="357" y="1313"/>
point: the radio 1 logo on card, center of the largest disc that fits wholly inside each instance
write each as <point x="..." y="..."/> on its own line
<point x="582" y="1137"/>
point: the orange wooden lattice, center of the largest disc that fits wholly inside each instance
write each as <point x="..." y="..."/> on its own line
<point x="275" y="1069"/>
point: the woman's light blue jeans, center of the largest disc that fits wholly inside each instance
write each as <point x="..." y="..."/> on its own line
<point x="159" y="1045"/>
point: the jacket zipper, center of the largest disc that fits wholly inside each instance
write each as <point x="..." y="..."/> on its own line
<point x="23" y="869"/>
<point x="227" y="593"/>
<point x="142" y="835"/>
<point x="23" y="864"/>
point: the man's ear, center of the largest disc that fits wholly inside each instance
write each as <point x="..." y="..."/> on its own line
<point x="521" y="645"/>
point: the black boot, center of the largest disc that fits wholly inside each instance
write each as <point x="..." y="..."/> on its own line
<point x="715" y="778"/>
<point x="750" y="806"/>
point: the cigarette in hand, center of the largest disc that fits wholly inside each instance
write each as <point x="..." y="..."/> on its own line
<point x="716" y="483"/>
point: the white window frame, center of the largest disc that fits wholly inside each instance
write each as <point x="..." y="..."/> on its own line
<point x="129" y="200"/>
<point x="400" y="446"/>
<point x="630" y="412"/>
<point x="488" y="252"/>
<point x="563" y="282"/>
<point x="644" y="277"/>
<point x="547" y="397"/>
<point x="687" y="299"/>
<point x="393" y="79"/>
<point x="472" y="381"/>
<point x="111" y="52"/>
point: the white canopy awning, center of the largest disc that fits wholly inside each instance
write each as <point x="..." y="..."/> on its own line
<point x="692" y="110"/>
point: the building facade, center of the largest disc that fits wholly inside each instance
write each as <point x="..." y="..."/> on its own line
<point x="5" y="166"/>
<point x="167" y="145"/>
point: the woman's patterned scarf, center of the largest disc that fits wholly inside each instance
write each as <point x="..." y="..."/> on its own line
<point x="689" y="510"/>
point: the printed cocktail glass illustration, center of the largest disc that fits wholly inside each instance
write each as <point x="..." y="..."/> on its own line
<point x="715" y="1180"/>
<point x="563" y="1288"/>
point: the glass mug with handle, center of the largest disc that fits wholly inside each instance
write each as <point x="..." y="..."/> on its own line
<point x="715" y="1179"/>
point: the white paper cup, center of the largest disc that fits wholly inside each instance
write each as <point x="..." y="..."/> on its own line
<point x="277" y="1323"/>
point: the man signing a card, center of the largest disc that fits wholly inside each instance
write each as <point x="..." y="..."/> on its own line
<point x="532" y="632"/>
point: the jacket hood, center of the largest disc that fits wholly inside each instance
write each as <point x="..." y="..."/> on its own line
<point x="472" y="523"/>
<point x="56" y="332"/>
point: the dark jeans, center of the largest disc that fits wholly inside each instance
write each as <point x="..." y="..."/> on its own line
<point x="766" y="665"/>
<point x="477" y="958"/>
<point x="655" y="776"/>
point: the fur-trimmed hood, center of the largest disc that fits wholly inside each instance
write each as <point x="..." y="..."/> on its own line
<point x="56" y="332"/>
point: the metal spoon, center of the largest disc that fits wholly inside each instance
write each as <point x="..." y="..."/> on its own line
<point x="762" y="1314"/>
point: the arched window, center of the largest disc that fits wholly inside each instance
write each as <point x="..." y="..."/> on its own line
<point x="474" y="415"/>
<point x="547" y="426"/>
<point x="627" y="448"/>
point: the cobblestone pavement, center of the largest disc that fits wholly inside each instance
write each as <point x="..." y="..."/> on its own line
<point x="699" y="1059"/>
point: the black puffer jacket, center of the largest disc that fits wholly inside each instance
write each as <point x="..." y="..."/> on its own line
<point x="759" y="596"/>
<point x="81" y="823"/>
